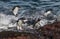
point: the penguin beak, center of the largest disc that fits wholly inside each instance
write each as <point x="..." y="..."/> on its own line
<point x="15" y="11"/>
<point x="47" y="13"/>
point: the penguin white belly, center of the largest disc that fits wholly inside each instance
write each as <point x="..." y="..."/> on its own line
<point x="20" y="25"/>
<point x="43" y="22"/>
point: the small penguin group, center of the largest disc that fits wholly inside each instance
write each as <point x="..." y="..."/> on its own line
<point x="24" y="24"/>
<point x="49" y="18"/>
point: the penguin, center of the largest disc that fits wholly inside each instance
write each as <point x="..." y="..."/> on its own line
<point x="47" y="12"/>
<point x="19" y="23"/>
<point x="49" y="15"/>
<point x="15" y="10"/>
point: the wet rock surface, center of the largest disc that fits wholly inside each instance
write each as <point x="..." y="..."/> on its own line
<point x="50" y="31"/>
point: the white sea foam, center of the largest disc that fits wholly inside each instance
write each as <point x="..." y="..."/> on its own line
<point x="6" y="20"/>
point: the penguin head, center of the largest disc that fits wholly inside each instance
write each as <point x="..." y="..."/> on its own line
<point x="48" y="11"/>
<point x="15" y="7"/>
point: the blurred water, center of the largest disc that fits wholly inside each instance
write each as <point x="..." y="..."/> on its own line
<point x="28" y="6"/>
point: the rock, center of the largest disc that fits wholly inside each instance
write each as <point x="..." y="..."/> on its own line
<point x="58" y="18"/>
